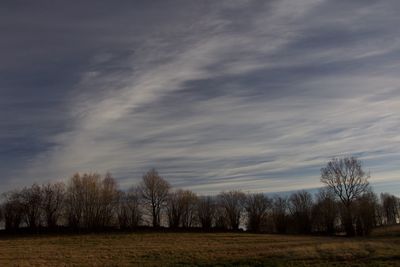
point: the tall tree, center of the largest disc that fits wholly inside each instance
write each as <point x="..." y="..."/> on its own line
<point x="257" y="206"/>
<point x="175" y="208"/>
<point x="280" y="214"/>
<point x="232" y="204"/>
<point x="365" y="213"/>
<point x="346" y="178"/>
<point x="390" y="207"/>
<point x="31" y="201"/>
<point x="300" y="206"/>
<point x="74" y="201"/>
<point x="52" y="202"/>
<point x="154" y="192"/>
<point x="129" y="214"/>
<point x="206" y="208"/>
<point x="189" y="208"/>
<point x="325" y="211"/>
<point x="13" y="210"/>
<point x="108" y="199"/>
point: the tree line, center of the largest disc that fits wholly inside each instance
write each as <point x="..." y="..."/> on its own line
<point x="94" y="202"/>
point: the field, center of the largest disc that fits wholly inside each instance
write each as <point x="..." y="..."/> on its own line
<point x="199" y="249"/>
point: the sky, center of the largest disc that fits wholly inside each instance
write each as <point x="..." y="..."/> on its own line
<point x="216" y="95"/>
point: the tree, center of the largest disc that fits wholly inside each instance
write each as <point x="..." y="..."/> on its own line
<point x="108" y="199"/>
<point x="365" y="213"/>
<point x="13" y="211"/>
<point x="91" y="190"/>
<point x="31" y="201"/>
<point x="206" y="207"/>
<point x="300" y="206"/>
<point x="325" y="211"/>
<point x="346" y="178"/>
<point x="232" y="204"/>
<point x="189" y="200"/>
<point x="390" y="207"/>
<point x="181" y="208"/>
<point x="279" y="214"/>
<point x="52" y="202"/>
<point x="257" y="206"/>
<point x="175" y="208"/>
<point x="154" y="192"/>
<point x="128" y="210"/>
<point x="74" y="201"/>
<point x="1" y="214"/>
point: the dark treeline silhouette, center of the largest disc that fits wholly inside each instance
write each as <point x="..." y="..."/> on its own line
<point x="93" y="202"/>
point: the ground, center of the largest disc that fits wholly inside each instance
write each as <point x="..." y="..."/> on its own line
<point x="200" y="249"/>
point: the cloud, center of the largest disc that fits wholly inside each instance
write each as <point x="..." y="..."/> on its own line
<point x="249" y="95"/>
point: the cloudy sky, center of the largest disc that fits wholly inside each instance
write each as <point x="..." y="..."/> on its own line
<point x="217" y="95"/>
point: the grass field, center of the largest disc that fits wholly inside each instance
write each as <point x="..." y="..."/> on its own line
<point x="198" y="249"/>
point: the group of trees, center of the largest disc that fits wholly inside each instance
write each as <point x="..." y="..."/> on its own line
<point x="94" y="202"/>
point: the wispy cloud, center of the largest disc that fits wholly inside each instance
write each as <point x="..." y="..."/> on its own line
<point x="250" y="95"/>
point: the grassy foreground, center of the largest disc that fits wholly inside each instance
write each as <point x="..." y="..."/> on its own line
<point x="198" y="249"/>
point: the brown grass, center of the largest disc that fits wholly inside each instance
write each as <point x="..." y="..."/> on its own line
<point x="223" y="249"/>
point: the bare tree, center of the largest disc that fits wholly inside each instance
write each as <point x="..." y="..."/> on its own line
<point x="346" y="178"/>
<point x="154" y="192"/>
<point x="175" y="208"/>
<point x="91" y="201"/>
<point x="189" y="200"/>
<point x="13" y="211"/>
<point x="300" y="206"/>
<point x="128" y="211"/>
<point x="325" y="211"/>
<point x="257" y="206"/>
<point x="1" y="214"/>
<point x="232" y="204"/>
<point x="52" y="202"/>
<point x="108" y="200"/>
<point x="280" y="213"/>
<point x="74" y="201"/>
<point x="221" y="221"/>
<point x="365" y="213"/>
<point x="91" y="208"/>
<point x="31" y="201"/>
<point x="206" y="207"/>
<point x="181" y="208"/>
<point x="390" y="207"/>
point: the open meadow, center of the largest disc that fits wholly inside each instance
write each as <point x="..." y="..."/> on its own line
<point x="201" y="249"/>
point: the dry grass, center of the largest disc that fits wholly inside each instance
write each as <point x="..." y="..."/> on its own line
<point x="223" y="249"/>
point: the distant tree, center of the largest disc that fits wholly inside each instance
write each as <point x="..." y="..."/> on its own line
<point x="325" y="211"/>
<point x="91" y="190"/>
<point x="175" y="208"/>
<point x="390" y="208"/>
<point x="128" y="210"/>
<point x="206" y="208"/>
<point x="300" y="206"/>
<point x="365" y="213"/>
<point x="154" y="192"/>
<point x="221" y="222"/>
<point x="108" y="200"/>
<point x="232" y="204"/>
<point x="52" y="202"/>
<point x="181" y="208"/>
<point x="91" y="201"/>
<point x="346" y="178"/>
<point x="257" y="207"/>
<point x="74" y="201"/>
<point x="280" y="214"/>
<point x="13" y="210"/>
<point x="189" y="209"/>
<point x="31" y="198"/>
<point x="1" y="215"/>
